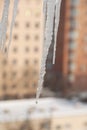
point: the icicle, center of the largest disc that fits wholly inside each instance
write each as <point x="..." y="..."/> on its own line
<point x="57" y="15"/>
<point x="51" y="11"/>
<point x="47" y="42"/>
<point x="3" y="24"/>
<point x="13" y="20"/>
<point x="45" y="12"/>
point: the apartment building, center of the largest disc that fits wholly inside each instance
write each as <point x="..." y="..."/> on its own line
<point x="71" y="62"/>
<point x="20" y="70"/>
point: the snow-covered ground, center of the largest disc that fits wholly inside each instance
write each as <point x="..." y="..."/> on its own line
<point x="18" y="110"/>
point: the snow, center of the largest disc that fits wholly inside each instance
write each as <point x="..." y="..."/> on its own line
<point x="19" y="110"/>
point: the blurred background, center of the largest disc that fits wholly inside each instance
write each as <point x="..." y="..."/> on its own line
<point x="63" y="102"/>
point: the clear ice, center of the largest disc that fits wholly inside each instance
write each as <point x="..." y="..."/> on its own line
<point x="13" y="21"/>
<point x="4" y="22"/>
<point x="51" y="9"/>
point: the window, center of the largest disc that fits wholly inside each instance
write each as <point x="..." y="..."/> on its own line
<point x="27" y="49"/>
<point x="35" y="72"/>
<point x="26" y="73"/>
<point x="36" y="49"/>
<point x="4" y="87"/>
<point x="85" y="124"/>
<point x="35" y="61"/>
<point x="58" y="127"/>
<point x="73" y="34"/>
<point x="27" y="37"/>
<point x="15" y="49"/>
<point x="14" y="61"/>
<point x="16" y="24"/>
<point x="72" y="56"/>
<point x="71" y="77"/>
<point x="28" y="13"/>
<point x="72" y="66"/>
<point x="75" y="2"/>
<point x="6" y="111"/>
<point x="26" y="61"/>
<point x="4" y="62"/>
<point x="13" y="86"/>
<point x="45" y="125"/>
<point x="74" y="12"/>
<point x="27" y="25"/>
<point x="36" y="37"/>
<point x="68" y="126"/>
<point x="72" y="45"/>
<point x="37" y="25"/>
<point x="26" y="85"/>
<point x="15" y="37"/>
<point x="73" y="23"/>
<point x="4" y="74"/>
<point x="14" y="73"/>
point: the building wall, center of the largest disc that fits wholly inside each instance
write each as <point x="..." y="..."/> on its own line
<point x="65" y="122"/>
<point x="71" y="61"/>
<point x="19" y="71"/>
<point x="74" y="123"/>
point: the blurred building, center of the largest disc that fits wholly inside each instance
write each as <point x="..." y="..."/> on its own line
<point x="19" y="71"/>
<point x="71" y="62"/>
<point x="48" y="114"/>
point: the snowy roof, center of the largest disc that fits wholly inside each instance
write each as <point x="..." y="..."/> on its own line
<point x="22" y="109"/>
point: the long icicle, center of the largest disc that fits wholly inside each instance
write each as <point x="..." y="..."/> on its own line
<point x="57" y="15"/>
<point x="13" y="21"/>
<point x="3" y="24"/>
<point x="47" y="42"/>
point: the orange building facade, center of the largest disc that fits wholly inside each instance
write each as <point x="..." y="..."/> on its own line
<point x="71" y="54"/>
